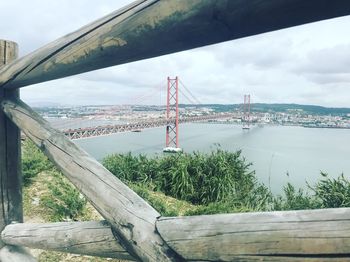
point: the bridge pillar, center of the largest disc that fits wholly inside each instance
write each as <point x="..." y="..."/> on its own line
<point x="10" y="152"/>
<point x="172" y="115"/>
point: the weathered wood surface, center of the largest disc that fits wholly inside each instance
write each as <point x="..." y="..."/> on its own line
<point x="152" y="28"/>
<point x="319" y="235"/>
<point x="8" y="52"/>
<point x="15" y="254"/>
<point x="132" y="218"/>
<point x="93" y="238"/>
<point x="288" y="259"/>
<point x="10" y="153"/>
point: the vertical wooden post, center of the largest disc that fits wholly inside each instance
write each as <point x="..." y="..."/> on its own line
<point x="10" y="152"/>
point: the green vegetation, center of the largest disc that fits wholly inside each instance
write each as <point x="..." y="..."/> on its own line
<point x="219" y="182"/>
<point x="178" y="184"/>
<point x="182" y="184"/>
<point x="65" y="202"/>
<point x="219" y="177"/>
<point x="293" y="199"/>
<point x="332" y="193"/>
<point x="33" y="162"/>
<point x="57" y="198"/>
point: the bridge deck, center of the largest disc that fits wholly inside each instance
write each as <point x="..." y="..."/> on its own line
<point x="79" y="133"/>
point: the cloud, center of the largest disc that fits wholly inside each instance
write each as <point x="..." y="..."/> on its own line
<point x="328" y="66"/>
<point x="303" y="64"/>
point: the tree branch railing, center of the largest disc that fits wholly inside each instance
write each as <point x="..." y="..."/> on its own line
<point x="94" y="238"/>
<point x="134" y="230"/>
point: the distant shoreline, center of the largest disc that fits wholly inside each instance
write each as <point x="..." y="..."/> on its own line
<point x="333" y="127"/>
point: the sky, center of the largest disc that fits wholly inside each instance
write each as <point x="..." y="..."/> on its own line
<point x="308" y="64"/>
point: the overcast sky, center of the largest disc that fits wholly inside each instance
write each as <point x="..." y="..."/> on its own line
<point x="309" y="64"/>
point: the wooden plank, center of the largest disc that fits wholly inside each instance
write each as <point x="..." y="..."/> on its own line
<point x="8" y="52"/>
<point x="94" y="238"/>
<point x="152" y="28"/>
<point x="15" y="254"/>
<point x="10" y="152"/>
<point x="132" y="218"/>
<point x="289" y="259"/>
<point x="299" y="235"/>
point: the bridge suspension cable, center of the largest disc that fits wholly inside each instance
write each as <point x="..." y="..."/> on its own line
<point x="185" y="96"/>
<point x="157" y="89"/>
<point x="197" y="101"/>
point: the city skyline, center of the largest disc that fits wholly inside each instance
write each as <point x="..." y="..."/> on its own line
<point x="306" y="65"/>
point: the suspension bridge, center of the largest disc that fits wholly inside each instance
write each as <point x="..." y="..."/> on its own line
<point x="79" y="133"/>
<point x="171" y="119"/>
<point x="133" y="229"/>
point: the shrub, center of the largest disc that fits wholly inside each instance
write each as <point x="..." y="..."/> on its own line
<point x="220" y="182"/>
<point x="295" y="199"/>
<point x="332" y="193"/>
<point x="129" y="168"/>
<point x="198" y="178"/>
<point x="327" y="193"/>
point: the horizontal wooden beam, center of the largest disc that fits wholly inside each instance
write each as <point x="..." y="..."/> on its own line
<point x="15" y="254"/>
<point x="316" y="235"/>
<point x="151" y="28"/>
<point x="93" y="238"/>
<point x="131" y="217"/>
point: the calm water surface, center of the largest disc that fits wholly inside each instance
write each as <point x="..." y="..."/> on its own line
<point x="279" y="154"/>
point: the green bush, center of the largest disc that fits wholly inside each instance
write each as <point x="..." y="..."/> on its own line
<point x="326" y="193"/>
<point x="33" y="162"/>
<point x="218" y="182"/>
<point x="295" y="199"/>
<point x="198" y="178"/>
<point x="130" y="168"/>
<point x="221" y="182"/>
<point x="332" y="193"/>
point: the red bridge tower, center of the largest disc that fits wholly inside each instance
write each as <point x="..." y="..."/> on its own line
<point x="172" y="115"/>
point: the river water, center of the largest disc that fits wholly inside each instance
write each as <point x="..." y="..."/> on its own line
<point x="279" y="154"/>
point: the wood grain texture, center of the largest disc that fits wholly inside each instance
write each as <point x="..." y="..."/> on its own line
<point x="15" y="254"/>
<point x="131" y="217"/>
<point x="93" y="238"/>
<point x="313" y="234"/>
<point x="152" y="28"/>
<point x="8" y="52"/>
<point x="10" y="152"/>
<point x="288" y="259"/>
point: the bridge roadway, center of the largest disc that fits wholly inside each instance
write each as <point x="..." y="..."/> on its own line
<point x="112" y="129"/>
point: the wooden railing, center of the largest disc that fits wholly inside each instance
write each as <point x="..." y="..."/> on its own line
<point x="132" y="228"/>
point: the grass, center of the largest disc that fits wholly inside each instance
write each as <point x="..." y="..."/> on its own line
<point x="175" y="185"/>
<point x="218" y="182"/>
<point x="64" y="201"/>
<point x="33" y="162"/>
<point x="49" y="197"/>
<point x="331" y="192"/>
<point x="197" y="178"/>
<point x="46" y="190"/>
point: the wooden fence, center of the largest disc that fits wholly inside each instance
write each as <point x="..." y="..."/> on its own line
<point x="132" y="229"/>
